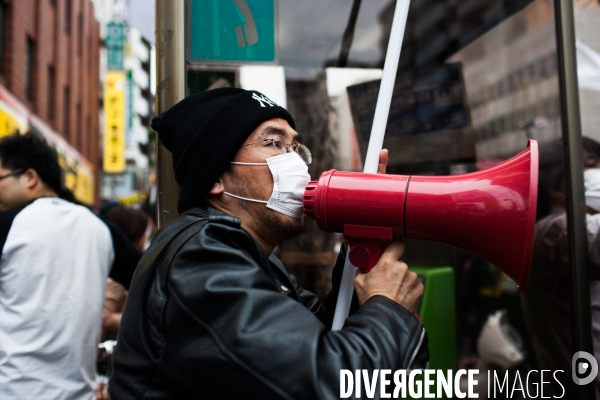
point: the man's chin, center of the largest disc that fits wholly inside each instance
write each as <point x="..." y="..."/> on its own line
<point x="283" y="226"/>
<point x="298" y="226"/>
<point x="291" y="227"/>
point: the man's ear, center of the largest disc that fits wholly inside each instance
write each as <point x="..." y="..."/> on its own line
<point x="217" y="188"/>
<point x="31" y="178"/>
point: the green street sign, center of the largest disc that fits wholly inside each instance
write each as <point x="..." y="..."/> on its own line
<point x="115" y="38"/>
<point x="231" y="31"/>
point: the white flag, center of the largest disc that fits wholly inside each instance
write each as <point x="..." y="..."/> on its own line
<point x="588" y="67"/>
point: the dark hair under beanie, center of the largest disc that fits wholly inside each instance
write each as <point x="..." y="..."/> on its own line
<point x="204" y="132"/>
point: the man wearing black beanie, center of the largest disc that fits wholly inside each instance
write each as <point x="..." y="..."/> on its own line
<point x="212" y="313"/>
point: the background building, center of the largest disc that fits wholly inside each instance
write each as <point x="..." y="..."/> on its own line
<point x="516" y="40"/>
<point x="49" y="68"/>
<point x="127" y="53"/>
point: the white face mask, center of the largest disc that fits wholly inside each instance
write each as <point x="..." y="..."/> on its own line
<point x="290" y="177"/>
<point x="593" y="226"/>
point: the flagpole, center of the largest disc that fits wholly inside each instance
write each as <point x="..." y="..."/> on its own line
<point x="382" y="109"/>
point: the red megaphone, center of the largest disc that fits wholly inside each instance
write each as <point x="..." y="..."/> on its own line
<point x="490" y="213"/>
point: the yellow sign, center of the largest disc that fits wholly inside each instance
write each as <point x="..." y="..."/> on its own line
<point x="78" y="179"/>
<point x="9" y="124"/>
<point x="79" y="174"/>
<point x="114" y="123"/>
<point x="130" y="200"/>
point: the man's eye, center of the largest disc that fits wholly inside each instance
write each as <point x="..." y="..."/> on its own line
<point x="278" y="144"/>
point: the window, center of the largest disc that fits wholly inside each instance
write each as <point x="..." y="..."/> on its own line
<point x="30" y="69"/>
<point x="68" y="16"/>
<point x="3" y="34"/>
<point x="88" y="134"/>
<point x="66" y="109"/>
<point x="78" y="128"/>
<point x="89" y="57"/>
<point x="80" y="35"/>
<point x="51" y="88"/>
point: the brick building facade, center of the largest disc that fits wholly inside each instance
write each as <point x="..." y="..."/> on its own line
<point x="49" y="61"/>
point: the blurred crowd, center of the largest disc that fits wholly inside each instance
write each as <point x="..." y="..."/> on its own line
<point x="138" y="225"/>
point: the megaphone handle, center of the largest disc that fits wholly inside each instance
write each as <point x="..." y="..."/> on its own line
<point x="346" y="287"/>
<point x="364" y="254"/>
<point x="344" y="299"/>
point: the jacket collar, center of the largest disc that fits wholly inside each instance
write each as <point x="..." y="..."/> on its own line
<point x="207" y="212"/>
<point x="201" y="212"/>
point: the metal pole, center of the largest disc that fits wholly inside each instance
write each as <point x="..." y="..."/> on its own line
<point x="348" y="35"/>
<point x="170" y="71"/>
<point x="571" y="128"/>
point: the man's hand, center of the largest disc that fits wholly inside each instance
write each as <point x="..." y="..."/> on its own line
<point x="101" y="392"/>
<point x="383" y="161"/>
<point x="390" y="278"/>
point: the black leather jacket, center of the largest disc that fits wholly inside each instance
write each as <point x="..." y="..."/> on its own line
<point x="209" y="316"/>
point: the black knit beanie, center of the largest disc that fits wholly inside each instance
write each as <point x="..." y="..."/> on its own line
<point x="204" y="132"/>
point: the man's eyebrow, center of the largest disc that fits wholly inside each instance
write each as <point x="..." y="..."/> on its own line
<point x="275" y="130"/>
<point x="269" y="130"/>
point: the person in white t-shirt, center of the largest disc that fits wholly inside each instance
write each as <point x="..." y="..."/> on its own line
<point x="55" y="259"/>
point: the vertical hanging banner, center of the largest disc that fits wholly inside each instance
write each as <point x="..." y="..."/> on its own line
<point x="129" y="109"/>
<point x="115" y="39"/>
<point x="114" y="123"/>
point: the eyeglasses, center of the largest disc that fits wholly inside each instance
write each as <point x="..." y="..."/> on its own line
<point x="283" y="147"/>
<point x="12" y="173"/>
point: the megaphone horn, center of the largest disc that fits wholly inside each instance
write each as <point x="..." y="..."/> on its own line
<point x="490" y="213"/>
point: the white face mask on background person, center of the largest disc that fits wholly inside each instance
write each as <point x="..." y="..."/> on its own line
<point x="290" y="177"/>
<point x="593" y="226"/>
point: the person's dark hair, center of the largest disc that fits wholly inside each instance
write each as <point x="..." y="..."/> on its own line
<point x="68" y="195"/>
<point x="133" y="223"/>
<point x="106" y="206"/>
<point x="591" y="145"/>
<point x="31" y="151"/>
<point x="551" y="176"/>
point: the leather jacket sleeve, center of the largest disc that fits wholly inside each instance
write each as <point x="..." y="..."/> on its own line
<point x="322" y="310"/>
<point x="228" y="311"/>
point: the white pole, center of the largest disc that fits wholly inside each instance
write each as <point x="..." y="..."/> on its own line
<point x="382" y="110"/>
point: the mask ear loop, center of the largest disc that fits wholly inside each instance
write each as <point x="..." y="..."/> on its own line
<point x="248" y="163"/>
<point x="243" y="198"/>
